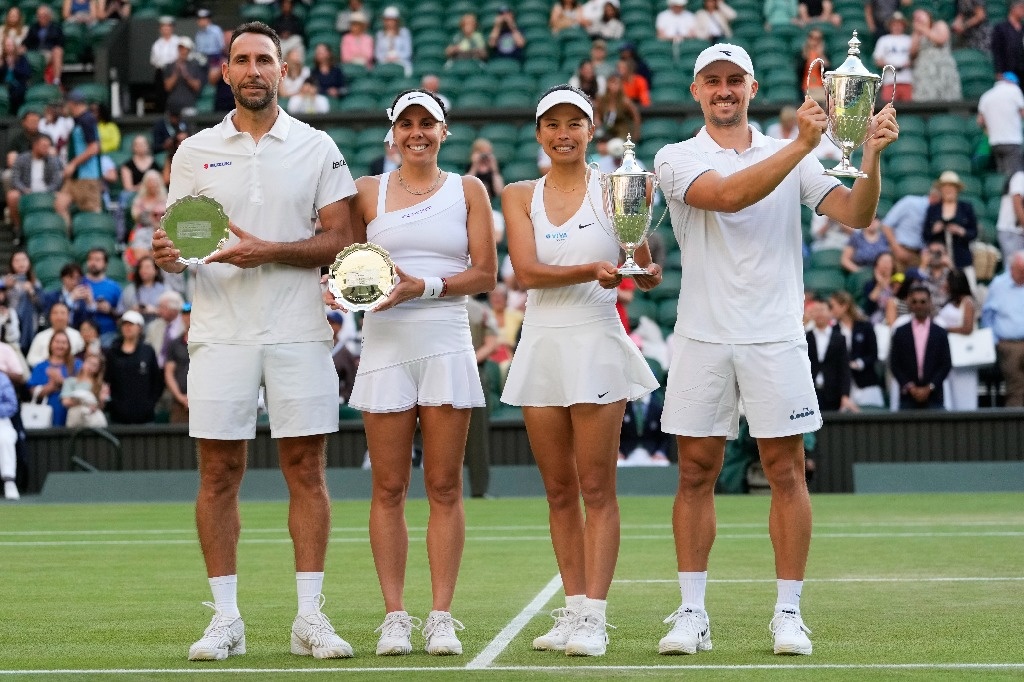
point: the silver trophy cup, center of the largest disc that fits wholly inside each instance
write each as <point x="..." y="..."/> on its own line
<point x="627" y="200"/>
<point x="850" y="93"/>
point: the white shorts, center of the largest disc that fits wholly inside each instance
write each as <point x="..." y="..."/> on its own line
<point x="707" y="380"/>
<point x="224" y="382"/>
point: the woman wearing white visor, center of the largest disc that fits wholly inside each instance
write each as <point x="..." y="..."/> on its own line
<point x="574" y="368"/>
<point x="418" y="362"/>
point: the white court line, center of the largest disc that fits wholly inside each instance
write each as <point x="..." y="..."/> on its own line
<point x="514" y="538"/>
<point x="509" y="632"/>
<point x="528" y="668"/>
<point x="979" y="579"/>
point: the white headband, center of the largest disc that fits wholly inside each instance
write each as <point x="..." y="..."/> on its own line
<point x="407" y="100"/>
<point x="564" y="97"/>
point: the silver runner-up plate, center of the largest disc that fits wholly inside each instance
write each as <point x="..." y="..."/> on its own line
<point x="361" y="276"/>
<point x="198" y="227"/>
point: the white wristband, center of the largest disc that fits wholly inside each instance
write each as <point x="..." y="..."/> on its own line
<point x="432" y="287"/>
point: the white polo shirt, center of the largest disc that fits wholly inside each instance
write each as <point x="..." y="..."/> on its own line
<point x="1001" y="106"/>
<point x="270" y="190"/>
<point x="742" y="279"/>
<point x="672" y="25"/>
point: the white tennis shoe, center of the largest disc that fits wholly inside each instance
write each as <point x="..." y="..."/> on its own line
<point x="589" y="634"/>
<point x="224" y="636"/>
<point x="439" y="631"/>
<point x="558" y="635"/>
<point x="396" y="634"/>
<point x="313" y="635"/>
<point x="790" y="633"/>
<point x="690" y="633"/>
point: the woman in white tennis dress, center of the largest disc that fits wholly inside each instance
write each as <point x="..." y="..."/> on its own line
<point x="574" y="368"/>
<point x="418" y="362"/>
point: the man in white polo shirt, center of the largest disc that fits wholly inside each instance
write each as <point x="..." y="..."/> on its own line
<point x="258" y="319"/>
<point x="734" y="197"/>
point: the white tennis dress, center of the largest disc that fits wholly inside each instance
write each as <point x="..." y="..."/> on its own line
<point x="573" y="347"/>
<point x="420" y="352"/>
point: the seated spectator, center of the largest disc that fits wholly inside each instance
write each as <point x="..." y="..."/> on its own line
<point x="37" y="171"/>
<point x="627" y="50"/>
<point x="828" y="233"/>
<point x="1010" y="223"/>
<point x="15" y="72"/>
<point x="958" y="316"/>
<point x="329" y="78"/>
<point x="877" y="13"/>
<point x="176" y="371"/>
<point x="20" y="140"/>
<point x="295" y="74"/>
<point x="634" y="86"/>
<point x="183" y="79"/>
<point x="565" y="14"/>
<point x="590" y="12"/>
<point x="144" y="289"/>
<point x="864" y="247"/>
<point x="80" y="12"/>
<point x="895" y="48"/>
<point x="587" y="80"/>
<point x="133" y="374"/>
<point x="935" y="74"/>
<point x="468" y="43"/>
<point x="209" y="39"/>
<point x="881" y="288"/>
<point x="116" y="10"/>
<point x="862" y="349"/>
<point x="48" y="376"/>
<point x="785" y="128"/>
<point x="432" y="84"/>
<point x="615" y="114"/>
<point x="675" y="23"/>
<point x="934" y="273"/>
<point x="73" y="294"/>
<point x="952" y="222"/>
<point x="1000" y="112"/>
<point x="46" y="36"/>
<point x="641" y="440"/>
<point x="289" y="26"/>
<point x="357" y="44"/>
<point x="902" y="227"/>
<point x="110" y="133"/>
<point x="608" y="26"/>
<point x="343" y="23"/>
<point x="506" y="40"/>
<point x="970" y="25"/>
<point x="599" y="58"/>
<point x="711" y="22"/>
<point x="919" y="376"/>
<point x="1002" y="313"/>
<point x="817" y="12"/>
<point x="59" y="317"/>
<point x="812" y="49"/>
<point x="90" y="338"/>
<point x="168" y="324"/>
<point x="780" y="13"/>
<point x="141" y="160"/>
<point x="830" y="361"/>
<point x="147" y="211"/>
<point x="58" y="125"/>
<point x="106" y="293"/>
<point x="169" y="131"/>
<point x="223" y="98"/>
<point x="14" y="27"/>
<point x="308" y="100"/>
<point x="393" y="43"/>
<point x="8" y="438"/>
<point x="10" y="325"/>
<point x="84" y="394"/>
<point x="483" y="164"/>
<point x="25" y="296"/>
<point x="390" y="160"/>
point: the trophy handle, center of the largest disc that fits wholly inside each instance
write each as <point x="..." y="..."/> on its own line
<point x="890" y="66"/>
<point x="810" y="70"/>
<point x="593" y="167"/>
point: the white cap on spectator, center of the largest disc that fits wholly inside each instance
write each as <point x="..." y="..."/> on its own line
<point x="134" y="318"/>
<point x="185" y="41"/>
<point x="166" y="19"/>
<point x="724" y="52"/>
<point x="391" y="12"/>
<point x="677" y="3"/>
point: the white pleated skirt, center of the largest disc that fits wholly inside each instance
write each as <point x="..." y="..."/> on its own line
<point x="411" y="362"/>
<point x="575" y="354"/>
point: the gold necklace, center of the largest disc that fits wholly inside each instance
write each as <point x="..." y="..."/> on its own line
<point x="401" y="181"/>
<point x="563" y="191"/>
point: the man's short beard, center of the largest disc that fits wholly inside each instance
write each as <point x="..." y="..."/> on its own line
<point x="730" y="122"/>
<point x="255" y="103"/>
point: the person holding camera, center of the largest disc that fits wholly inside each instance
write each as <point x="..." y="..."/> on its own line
<point x="506" y="40"/>
<point x="484" y="166"/>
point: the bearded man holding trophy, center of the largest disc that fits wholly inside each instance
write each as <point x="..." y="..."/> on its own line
<point x="734" y="196"/>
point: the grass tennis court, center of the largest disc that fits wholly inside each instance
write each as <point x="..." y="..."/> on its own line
<point x="920" y="587"/>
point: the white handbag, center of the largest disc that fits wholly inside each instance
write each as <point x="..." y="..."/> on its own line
<point x="976" y="349"/>
<point x="36" y="415"/>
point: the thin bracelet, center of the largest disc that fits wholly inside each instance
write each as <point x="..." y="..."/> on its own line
<point x="444" y="288"/>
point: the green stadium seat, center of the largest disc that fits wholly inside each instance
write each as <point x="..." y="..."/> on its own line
<point x="502" y="68"/>
<point x="360" y="102"/>
<point x="93" y="240"/>
<point x="960" y="163"/>
<point x="855" y="282"/>
<point x="254" y="12"/>
<point x="668" y="309"/>
<point x="520" y="170"/>
<point x="505" y="99"/>
<point x="42" y="93"/>
<point x="907" y="164"/>
<point x="914" y="184"/>
<point x="825" y="259"/>
<point x="49" y="244"/>
<point x="994" y="185"/>
<point x="669" y="287"/>
<point x="48" y="269"/>
<point x="345" y="138"/>
<point x="93" y="223"/>
<point x="642" y="307"/>
<point x="117" y="270"/>
<point x="824" y="282"/>
<point x="499" y="132"/>
<point x="952" y="124"/>
<point x="908" y="145"/>
<point x="911" y="124"/>
<point x="950" y="144"/>
<point x="35" y="202"/>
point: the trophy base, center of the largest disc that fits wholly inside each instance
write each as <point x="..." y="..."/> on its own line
<point x="630" y="269"/>
<point x="190" y="261"/>
<point x="847" y="172"/>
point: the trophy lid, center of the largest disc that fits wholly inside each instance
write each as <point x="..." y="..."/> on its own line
<point x="629" y="163"/>
<point x="853" y="66"/>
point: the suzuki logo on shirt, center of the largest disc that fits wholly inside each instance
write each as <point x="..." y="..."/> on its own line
<point x="216" y="164"/>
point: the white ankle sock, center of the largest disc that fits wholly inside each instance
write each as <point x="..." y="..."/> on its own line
<point x="575" y="602"/>
<point x="599" y="605"/>
<point x="309" y="585"/>
<point x="225" y="594"/>
<point x="692" y="585"/>
<point x="789" y="594"/>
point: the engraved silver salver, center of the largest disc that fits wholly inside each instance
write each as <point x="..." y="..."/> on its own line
<point x="361" y="276"/>
<point x="198" y="227"/>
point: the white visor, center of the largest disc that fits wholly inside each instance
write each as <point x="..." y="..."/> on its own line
<point x="406" y="101"/>
<point x="564" y="97"/>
